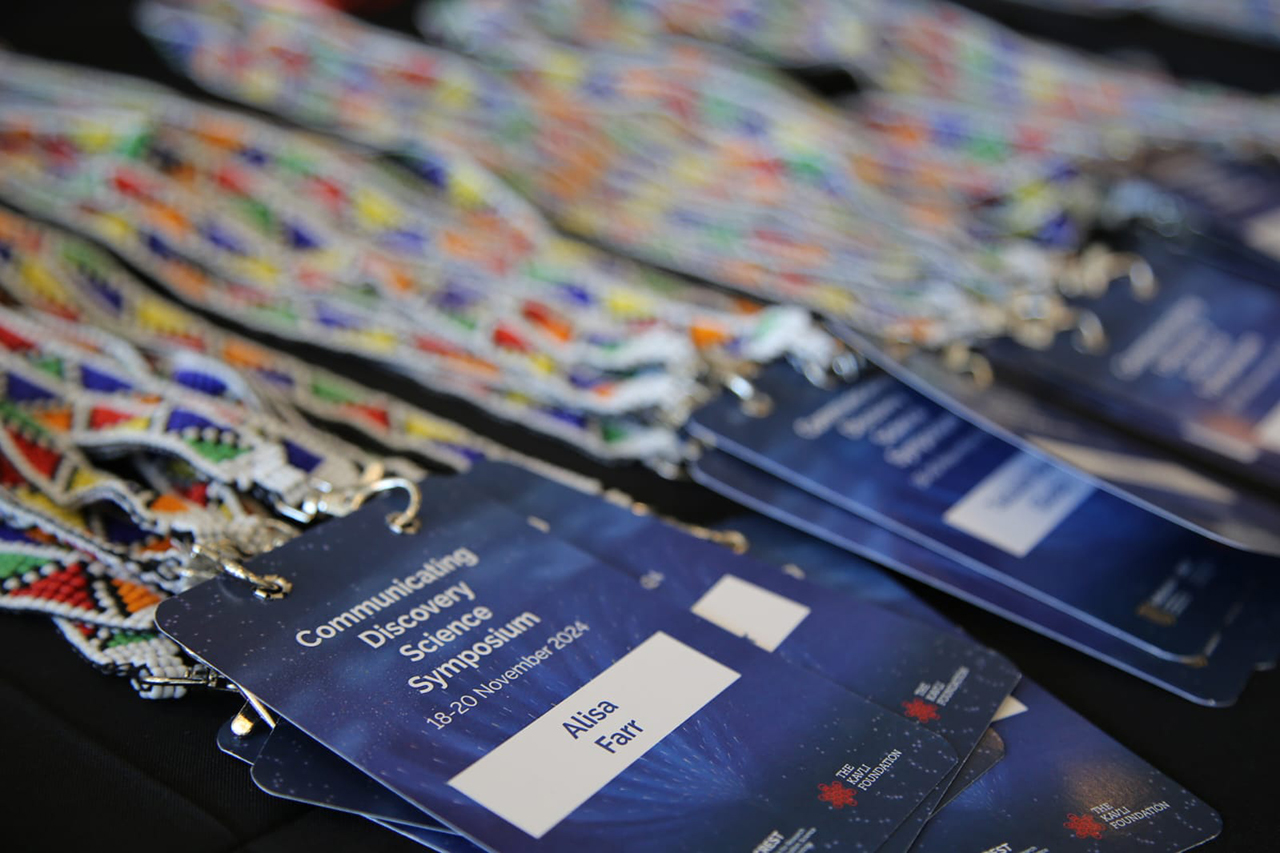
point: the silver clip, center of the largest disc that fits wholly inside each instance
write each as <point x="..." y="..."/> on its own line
<point x="1142" y="279"/>
<point x="755" y="403"/>
<point x="223" y="556"/>
<point x="1035" y="319"/>
<point x="733" y="376"/>
<point x="192" y="676"/>
<point x="322" y="498"/>
<point x="225" y="559"/>
<point x="961" y="360"/>
<point x="404" y="521"/>
<point x="243" y="724"/>
<point x="1090" y="337"/>
<point x="259" y="708"/>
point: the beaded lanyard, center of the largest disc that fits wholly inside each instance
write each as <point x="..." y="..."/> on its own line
<point x="67" y="277"/>
<point x="970" y="108"/>
<point x="887" y="276"/>
<point x="208" y="237"/>
<point x="947" y="52"/>
<point x="98" y="551"/>
<point x="713" y="324"/>
<point x="957" y="94"/>
<point x="937" y="175"/>
<point x="934" y="49"/>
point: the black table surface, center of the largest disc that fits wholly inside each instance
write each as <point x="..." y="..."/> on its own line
<point x="85" y="762"/>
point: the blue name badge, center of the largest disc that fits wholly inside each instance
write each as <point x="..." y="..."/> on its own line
<point x="1029" y="804"/>
<point x="1218" y="681"/>
<point x="881" y="450"/>
<point x="947" y="682"/>
<point x="934" y="677"/>
<point x="1197" y="365"/>
<point x="295" y="767"/>
<point x="516" y="690"/>
<point x="1064" y="785"/>
<point x="440" y="842"/>
<point x="1138" y="469"/>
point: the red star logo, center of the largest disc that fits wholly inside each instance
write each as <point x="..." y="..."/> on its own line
<point x="921" y="711"/>
<point x="1084" y="825"/>
<point x="837" y="795"/>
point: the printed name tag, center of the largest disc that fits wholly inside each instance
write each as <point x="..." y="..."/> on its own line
<point x="1019" y="504"/>
<point x="1245" y="645"/>
<point x="538" y="776"/>
<point x="883" y="451"/>
<point x="1122" y="462"/>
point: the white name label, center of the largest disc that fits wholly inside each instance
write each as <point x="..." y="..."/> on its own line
<point x="1010" y="707"/>
<point x="1263" y="233"/>
<point x="1020" y="503"/>
<point x="539" y="775"/>
<point x="1268" y="430"/>
<point x="749" y="611"/>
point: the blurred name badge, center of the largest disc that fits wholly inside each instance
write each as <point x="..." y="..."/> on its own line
<point x="1019" y="504"/>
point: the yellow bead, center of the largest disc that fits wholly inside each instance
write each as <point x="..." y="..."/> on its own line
<point x="564" y="67"/>
<point x="466" y="187"/>
<point x="835" y="301"/>
<point x="260" y="85"/>
<point x="628" y="304"/>
<point x="258" y="270"/>
<point x="94" y="136"/>
<point x="157" y="315"/>
<point x="455" y="95"/>
<point x="112" y="227"/>
<point x="379" y="340"/>
<point x="40" y="279"/>
<point x="431" y="430"/>
<point x="375" y="209"/>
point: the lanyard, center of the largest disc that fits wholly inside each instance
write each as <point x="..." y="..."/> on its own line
<point x="480" y="333"/>
<point x="770" y="235"/>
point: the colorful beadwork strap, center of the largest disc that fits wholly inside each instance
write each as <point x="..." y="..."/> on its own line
<point x="147" y="657"/>
<point x="38" y="575"/>
<point x="94" y="291"/>
<point x="571" y="179"/>
<point x="608" y="289"/>
<point x="752" y="334"/>
<point x="91" y="404"/>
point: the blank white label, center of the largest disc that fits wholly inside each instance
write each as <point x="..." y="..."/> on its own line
<point x="1263" y="233"/>
<point x="1268" y="430"/>
<point x="753" y="612"/>
<point x="539" y="775"/>
<point x="1010" y="707"/>
<point x="1020" y="503"/>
